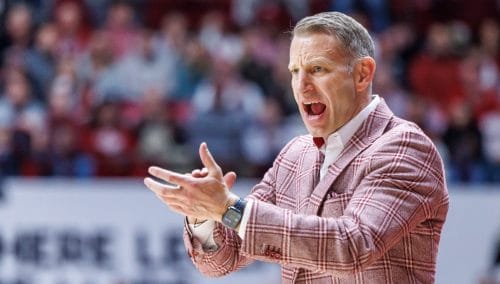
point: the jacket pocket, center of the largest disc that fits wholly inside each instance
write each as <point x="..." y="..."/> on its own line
<point x="335" y="203"/>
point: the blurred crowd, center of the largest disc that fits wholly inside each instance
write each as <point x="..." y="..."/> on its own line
<point x="107" y="88"/>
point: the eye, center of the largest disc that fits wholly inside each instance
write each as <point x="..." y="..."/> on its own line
<point x="317" y="69"/>
<point x="294" y="71"/>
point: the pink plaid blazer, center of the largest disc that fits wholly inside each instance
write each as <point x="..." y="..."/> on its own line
<point x="375" y="217"/>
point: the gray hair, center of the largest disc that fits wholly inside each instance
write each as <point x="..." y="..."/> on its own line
<point x="355" y="39"/>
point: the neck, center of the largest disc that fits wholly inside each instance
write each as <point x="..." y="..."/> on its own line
<point x="362" y="102"/>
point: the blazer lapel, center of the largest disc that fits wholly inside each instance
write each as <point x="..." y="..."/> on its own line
<point x="372" y="128"/>
<point x="310" y="164"/>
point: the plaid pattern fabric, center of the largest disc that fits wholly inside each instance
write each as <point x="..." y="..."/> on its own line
<point x="376" y="216"/>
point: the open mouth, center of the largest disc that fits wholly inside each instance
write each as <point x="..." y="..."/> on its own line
<point x="314" y="108"/>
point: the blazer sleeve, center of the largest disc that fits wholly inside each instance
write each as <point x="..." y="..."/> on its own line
<point x="403" y="185"/>
<point x="226" y="257"/>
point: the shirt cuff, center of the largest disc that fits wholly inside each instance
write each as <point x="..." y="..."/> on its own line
<point x="244" y="219"/>
<point x="204" y="233"/>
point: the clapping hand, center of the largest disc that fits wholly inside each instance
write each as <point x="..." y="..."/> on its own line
<point x="203" y="194"/>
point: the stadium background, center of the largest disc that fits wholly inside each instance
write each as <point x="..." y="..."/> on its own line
<point x="92" y="92"/>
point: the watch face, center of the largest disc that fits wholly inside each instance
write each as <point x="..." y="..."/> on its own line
<point x="231" y="218"/>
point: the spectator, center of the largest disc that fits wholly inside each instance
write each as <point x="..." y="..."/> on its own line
<point x="120" y="28"/>
<point x="141" y="70"/>
<point x="158" y="140"/>
<point x="110" y="144"/>
<point x="38" y="162"/>
<point x="191" y="69"/>
<point x="173" y="34"/>
<point x="258" y="58"/>
<point x="8" y="164"/>
<point x="435" y="74"/>
<point x="216" y="38"/>
<point x="464" y="140"/>
<point x="28" y="121"/>
<point x="95" y="69"/>
<point x="62" y="102"/>
<point x="67" y="157"/>
<point x="246" y="12"/>
<point x="16" y="102"/>
<point x="264" y="137"/>
<point x="223" y="105"/>
<point x="226" y="90"/>
<point x="488" y="69"/>
<point x="40" y="60"/>
<point x="377" y="11"/>
<point x="184" y="53"/>
<point x="70" y="16"/>
<point x="281" y="78"/>
<point x="395" y="96"/>
<point x="18" y="27"/>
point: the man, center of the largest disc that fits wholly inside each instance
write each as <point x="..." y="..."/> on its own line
<point x="362" y="199"/>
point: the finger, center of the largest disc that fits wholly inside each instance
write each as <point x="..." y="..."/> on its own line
<point x="208" y="161"/>
<point x="179" y="205"/>
<point x="169" y="176"/>
<point x="178" y="208"/>
<point x="229" y="179"/>
<point x="159" y="188"/>
<point x="173" y="200"/>
<point x="185" y="211"/>
<point x="169" y="200"/>
<point x="199" y="173"/>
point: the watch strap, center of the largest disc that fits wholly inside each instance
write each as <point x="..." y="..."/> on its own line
<point x="240" y="205"/>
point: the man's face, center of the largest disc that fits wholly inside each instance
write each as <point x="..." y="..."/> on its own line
<point x="323" y="87"/>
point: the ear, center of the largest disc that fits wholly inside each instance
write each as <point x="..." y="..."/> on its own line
<point x="363" y="72"/>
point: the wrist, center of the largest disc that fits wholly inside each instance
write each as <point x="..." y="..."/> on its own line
<point x="234" y="213"/>
<point x="231" y="200"/>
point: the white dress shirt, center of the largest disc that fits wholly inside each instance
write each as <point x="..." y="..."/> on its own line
<point x="333" y="146"/>
<point x="337" y="140"/>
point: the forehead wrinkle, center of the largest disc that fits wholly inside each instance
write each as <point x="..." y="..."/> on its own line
<point x="311" y="48"/>
<point x="329" y="55"/>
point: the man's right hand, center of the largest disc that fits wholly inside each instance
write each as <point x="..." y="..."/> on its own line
<point x="197" y="173"/>
<point x="229" y="178"/>
<point x="201" y="197"/>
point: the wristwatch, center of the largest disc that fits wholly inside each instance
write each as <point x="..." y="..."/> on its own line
<point x="233" y="215"/>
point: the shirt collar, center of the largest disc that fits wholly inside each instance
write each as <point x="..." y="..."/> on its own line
<point x="345" y="133"/>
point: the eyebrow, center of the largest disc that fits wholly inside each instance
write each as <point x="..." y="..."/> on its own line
<point x="313" y="60"/>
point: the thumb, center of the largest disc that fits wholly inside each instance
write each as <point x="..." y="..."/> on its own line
<point x="209" y="162"/>
<point x="229" y="179"/>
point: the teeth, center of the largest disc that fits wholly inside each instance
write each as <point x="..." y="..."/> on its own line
<point x="311" y="103"/>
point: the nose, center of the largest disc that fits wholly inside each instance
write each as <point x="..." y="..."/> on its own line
<point x="304" y="82"/>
